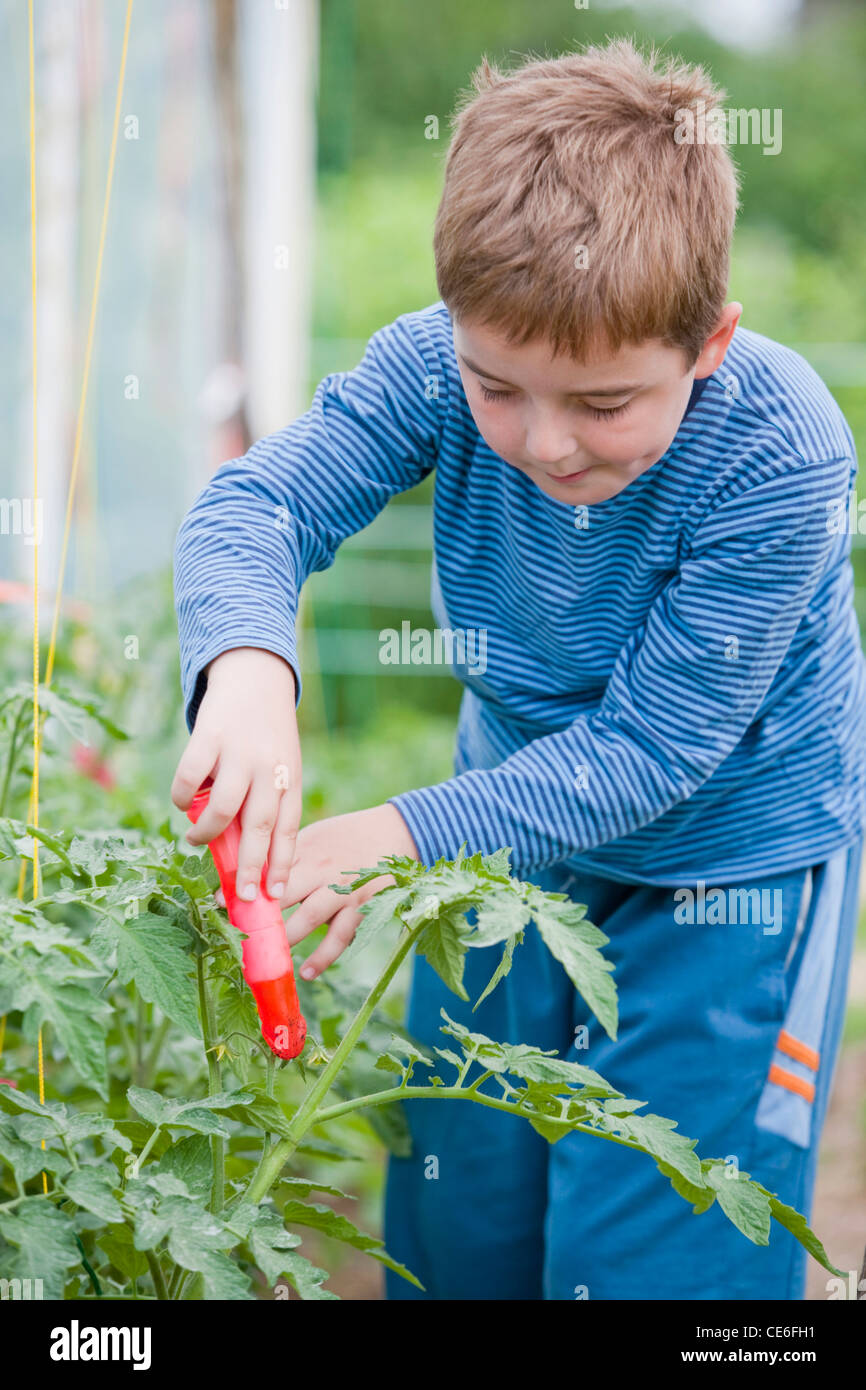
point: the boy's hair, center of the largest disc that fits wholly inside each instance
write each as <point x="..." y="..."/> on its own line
<point x="579" y="151"/>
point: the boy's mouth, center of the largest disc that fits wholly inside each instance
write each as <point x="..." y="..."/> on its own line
<point x="568" y="477"/>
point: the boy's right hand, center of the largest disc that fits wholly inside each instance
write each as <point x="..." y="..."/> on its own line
<point x="246" y="738"/>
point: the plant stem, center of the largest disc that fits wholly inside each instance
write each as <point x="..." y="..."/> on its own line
<point x="270" y="1063"/>
<point x="176" y="1281"/>
<point x="130" y="1055"/>
<point x="69" y="1153"/>
<point x="153" y="1059"/>
<point x="305" y="1116"/>
<point x="10" y="764"/>
<point x="332" y="1112"/>
<point x="140" y="1018"/>
<point x="214" y="1084"/>
<point x="156" y="1274"/>
<point x="147" y="1148"/>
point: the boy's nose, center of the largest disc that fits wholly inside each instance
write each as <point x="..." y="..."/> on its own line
<point x="551" y="446"/>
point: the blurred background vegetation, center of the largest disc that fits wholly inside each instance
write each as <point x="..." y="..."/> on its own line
<point x="385" y="67"/>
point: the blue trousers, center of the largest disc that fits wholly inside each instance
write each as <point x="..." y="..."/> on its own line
<point x="731" y="1012"/>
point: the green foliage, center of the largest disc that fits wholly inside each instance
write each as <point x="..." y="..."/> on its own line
<point x="179" y="1158"/>
<point x="503" y="907"/>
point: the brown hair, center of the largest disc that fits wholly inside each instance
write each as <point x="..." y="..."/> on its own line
<point x="579" y="151"/>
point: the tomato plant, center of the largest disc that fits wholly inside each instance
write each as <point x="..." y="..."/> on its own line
<point x="175" y="1156"/>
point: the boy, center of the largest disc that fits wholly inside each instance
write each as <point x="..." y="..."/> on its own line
<point x="632" y="502"/>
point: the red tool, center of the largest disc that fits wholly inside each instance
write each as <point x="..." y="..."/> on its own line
<point x="267" y="959"/>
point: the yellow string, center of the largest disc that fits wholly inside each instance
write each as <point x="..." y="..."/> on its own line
<point x="79" y="427"/>
<point x="33" y="808"/>
<point x="35" y="784"/>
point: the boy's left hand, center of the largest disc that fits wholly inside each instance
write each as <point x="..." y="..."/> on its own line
<point x="333" y="851"/>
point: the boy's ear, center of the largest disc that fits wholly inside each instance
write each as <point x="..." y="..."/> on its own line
<point x="712" y="354"/>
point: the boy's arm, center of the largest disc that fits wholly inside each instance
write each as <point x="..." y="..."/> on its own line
<point x="675" y="706"/>
<point x="266" y="521"/>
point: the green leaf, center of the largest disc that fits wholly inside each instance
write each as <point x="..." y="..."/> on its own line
<point x="197" y="1240"/>
<point x="92" y="1190"/>
<point x="81" y="1125"/>
<point x="25" y="1156"/>
<point x="203" y="1122"/>
<point x="262" y="1112"/>
<point x="379" y="914"/>
<point x="305" y="1277"/>
<point x="117" y="1243"/>
<point x="236" y="1015"/>
<point x="387" y="1062"/>
<point x="502" y="968"/>
<point x="151" y="1105"/>
<point x="331" y="1223"/>
<point x="501" y="914"/>
<point x="744" y="1203"/>
<point x="575" y="943"/>
<point x="444" y="948"/>
<point x="797" y="1225"/>
<point x="270" y="1244"/>
<point x="191" y="1114"/>
<point x="700" y="1198"/>
<point x="549" y="1127"/>
<point x="40" y="965"/>
<point x="302" y="1187"/>
<point x="222" y="1277"/>
<point x="656" y="1136"/>
<point x="153" y="953"/>
<point x="323" y="1148"/>
<point x="40" y="1244"/>
<point x="546" y="1069"/>
<point x="68" y="707"/>
<point x="137" y="1133"/>
<point x="191" y="1161"/>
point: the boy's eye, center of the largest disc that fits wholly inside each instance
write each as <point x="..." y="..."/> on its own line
<point x="608" y="414"/>
<point x="595" y="411"/>
<point x="493" y="395"/>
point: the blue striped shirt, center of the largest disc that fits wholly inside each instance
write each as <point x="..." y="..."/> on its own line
<point x="673" y="686"/>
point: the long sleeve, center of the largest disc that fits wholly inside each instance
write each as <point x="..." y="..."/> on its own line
<point x="266" y="521"/>
<point x="682" y="694"/>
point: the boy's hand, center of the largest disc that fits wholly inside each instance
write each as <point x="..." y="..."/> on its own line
<point x="333" y="851"/>
<point x="246" y="738"/>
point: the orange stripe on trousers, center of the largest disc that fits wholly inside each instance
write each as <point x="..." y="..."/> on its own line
<point x="790" y="1082"/>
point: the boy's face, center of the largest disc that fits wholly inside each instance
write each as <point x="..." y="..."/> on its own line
<point x="581" y="431"/>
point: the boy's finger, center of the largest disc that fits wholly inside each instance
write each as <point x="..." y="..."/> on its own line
<point x="226" y="798"/>
<point x="284" y="841"/>
<point x="300" y="884"/>
<point x="319" y="907"/>
<point x="340" y="935"/>
<point x="257" y="824"/>
<point x="196" y="763"/>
